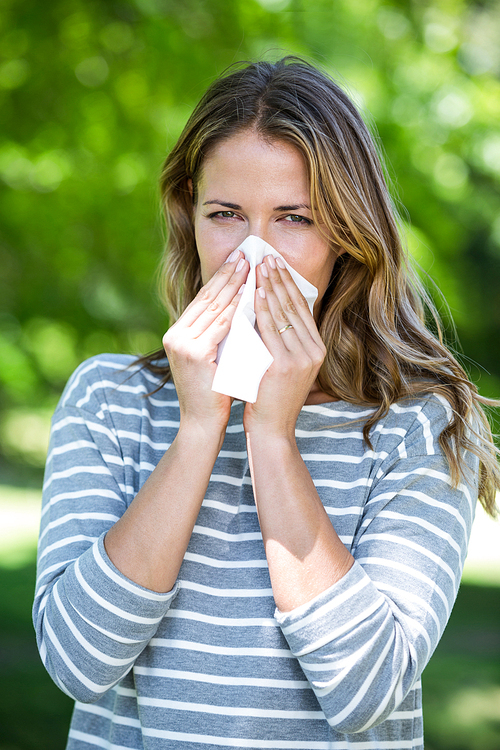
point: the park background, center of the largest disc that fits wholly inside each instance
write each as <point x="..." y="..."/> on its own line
<point x="93" y="93"/>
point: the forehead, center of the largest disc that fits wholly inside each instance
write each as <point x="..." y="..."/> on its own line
<point x="248" y="158"/>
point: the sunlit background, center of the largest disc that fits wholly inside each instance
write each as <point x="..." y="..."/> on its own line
<point x="92" y="95"/>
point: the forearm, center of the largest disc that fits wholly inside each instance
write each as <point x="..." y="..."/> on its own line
<point x="149" y="542"/>
<point x="304" y="553"/>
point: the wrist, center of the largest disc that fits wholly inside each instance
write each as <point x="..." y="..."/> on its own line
<point x="276" y="444"/>
<point x="204" y="434"/>
<point x="269" y="431"/>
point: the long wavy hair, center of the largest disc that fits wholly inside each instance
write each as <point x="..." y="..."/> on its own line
<point x="373" y="315"/>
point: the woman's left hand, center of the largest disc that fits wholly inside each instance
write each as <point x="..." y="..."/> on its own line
<point x="304" y="553"/>
<point x="298" y="351"/>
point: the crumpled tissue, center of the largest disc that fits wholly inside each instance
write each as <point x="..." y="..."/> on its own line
<point x="242" y="357"/>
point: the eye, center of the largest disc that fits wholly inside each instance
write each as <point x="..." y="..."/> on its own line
<point x="222" y="215"/>
<point x="297" y="219"/>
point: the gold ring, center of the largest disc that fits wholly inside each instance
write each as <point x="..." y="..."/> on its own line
<point x="285" y="328"/>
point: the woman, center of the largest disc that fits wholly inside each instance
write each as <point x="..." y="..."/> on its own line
<point x="272" y="574"/>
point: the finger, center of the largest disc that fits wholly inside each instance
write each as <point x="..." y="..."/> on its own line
<point x="270" y="322"/>
<point x="203" y="348"/>
<point x="292" y="301"/>
<point x="219" y="327"/>
<point x="303" y="342"/>
<point x="283" y="310"/>
<point x="211" y="289"/>
<point x="292" y="348"/>
<point x="228" y="296"/>
<point x="216" y="294"/>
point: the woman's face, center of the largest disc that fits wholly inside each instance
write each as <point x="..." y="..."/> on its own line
<point x="250" y="186"/>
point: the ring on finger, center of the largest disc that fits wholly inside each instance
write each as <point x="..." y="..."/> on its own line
<point x="285" y="328"/>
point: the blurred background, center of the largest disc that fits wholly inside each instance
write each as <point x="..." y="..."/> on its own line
<point x="92" y="95"/>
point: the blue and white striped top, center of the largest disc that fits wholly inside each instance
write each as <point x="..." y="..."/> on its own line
<point x="213" y="664"/>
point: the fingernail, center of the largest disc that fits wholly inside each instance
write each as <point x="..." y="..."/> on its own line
<point x="240" y="265"/>
<point x="240" y="290"/>
<point x="271" y="260"/>
<point x="264" y="270"/>
<point x="233" y="256"/>
<point x="261" y="292"/>
<point x="280" y="263"/>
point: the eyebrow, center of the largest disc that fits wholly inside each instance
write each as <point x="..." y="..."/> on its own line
<point x="236" y="207"/>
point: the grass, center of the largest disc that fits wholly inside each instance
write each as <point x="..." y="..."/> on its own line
<point x="462" y="681"/>
<point x="34" y="713"/>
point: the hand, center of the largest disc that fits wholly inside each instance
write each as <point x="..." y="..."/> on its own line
<point x="191" y="344"/>
<point x="298" y="352"/>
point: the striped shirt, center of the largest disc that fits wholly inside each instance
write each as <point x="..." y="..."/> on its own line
<point x="213" y="664"/>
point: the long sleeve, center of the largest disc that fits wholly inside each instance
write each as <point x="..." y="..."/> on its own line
<point x="364" y="642"/>
<point x="212" y="662"/>
<point x="91" y="622"/>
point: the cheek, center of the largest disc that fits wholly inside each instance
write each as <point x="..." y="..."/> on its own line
<point x="206" y="256"/>
<point x="210" y="262"/>
<point x="322" y="269"/>
<point x="214" y="247"/>
<point x="211" y="257"/>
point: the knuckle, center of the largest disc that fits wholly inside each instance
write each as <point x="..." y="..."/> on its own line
<point x="233" y="284"/>
<point x="204" y="294"/>
<point x="167" y="340"/>
<point x="318" y="356"/>
<point x="273" y="278"/>
<point x="288" y="368"/>
<point x="214" y="306"/>
<point x="269" y="327"/>
<point x="317" y="362"/>
<point x="221" y="320"/>
<point x="225" y="270"/>
<point x="302" y="301"/>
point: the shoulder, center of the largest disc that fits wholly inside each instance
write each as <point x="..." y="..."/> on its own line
<point x="409" y="419"/>
<point x="110" y="377"/>
<point x="417" y="415"/>
<point x="415" y="423"/>
<point x="402" y="419"/>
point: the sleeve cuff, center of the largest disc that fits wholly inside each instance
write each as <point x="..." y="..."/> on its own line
<point x="334" y="614"/>
<point x="108" y="598"/>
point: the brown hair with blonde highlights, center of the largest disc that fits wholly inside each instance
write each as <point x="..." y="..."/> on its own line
<point x="372" y="320"/>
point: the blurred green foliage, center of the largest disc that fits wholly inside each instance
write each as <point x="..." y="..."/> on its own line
<point x="94" y="92"/>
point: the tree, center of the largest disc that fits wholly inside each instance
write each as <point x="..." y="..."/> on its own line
<point x="94" y="93"/>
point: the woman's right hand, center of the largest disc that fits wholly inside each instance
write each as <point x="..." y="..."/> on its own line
<point x="191" y="345"/>
<point x="148" y="543"/>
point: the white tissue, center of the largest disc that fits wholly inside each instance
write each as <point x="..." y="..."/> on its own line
<point x="243" y="358"/>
